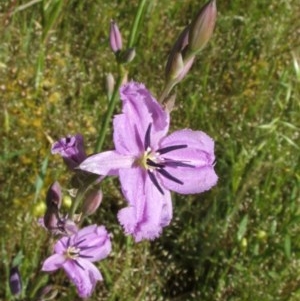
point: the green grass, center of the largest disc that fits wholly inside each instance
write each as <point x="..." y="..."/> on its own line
<point x="240" y="241"/>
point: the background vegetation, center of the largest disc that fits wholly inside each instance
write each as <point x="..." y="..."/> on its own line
<point x="240" y="241"/>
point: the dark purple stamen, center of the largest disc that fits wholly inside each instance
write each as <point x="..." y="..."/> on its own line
<point x="177" y="163"/>
<point x="77" y="263"/>
<point x="147" y="137"/>
<point x="153" y="164"/>
<point x="167" y="175"/>
<point x="155" y="182"/>
<point x="86" y="248"/>
<point x="85" y="256"/>
<point x="79" y="242"/>
<point x="167" y="149"/>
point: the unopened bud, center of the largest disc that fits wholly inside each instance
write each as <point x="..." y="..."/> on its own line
<point x="110" y="85"/>
<point x="115" y="38"/>
<point x="92" y="202"/>
<point x="202" y="27"/>
<point x="178" y="47"/>
<point x="187" y="66"/>
<point x="15" y="283"/>
<point x="47" y="292"/>
<point x="51" y="219"/>
<point x="54" y="196"/>
<point x="128" y="55"/>
<point x="177" y="65"/>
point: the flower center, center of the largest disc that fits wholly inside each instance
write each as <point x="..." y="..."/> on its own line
<point x="156" y="161"/>
<point x="149" y="160"/>
<point x="72" y="252"/>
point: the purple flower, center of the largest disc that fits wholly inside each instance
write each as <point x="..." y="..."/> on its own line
<point x="150" y="164"/>
<point x="75" y="255"/>
<point x="71" y="148"/>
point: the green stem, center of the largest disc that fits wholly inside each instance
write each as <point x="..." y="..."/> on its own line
<point x="167" y="89"/>
<point x="136" y="22"/>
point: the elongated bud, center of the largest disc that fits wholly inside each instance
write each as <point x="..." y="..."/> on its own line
<point x="177" y="65"/>
<point x="54" y="196"/>
<point x="92" y="202"/>
<point x="178" y="47"/>
<point x="202" y="27"/>
<point x="110" y="85"/>
<point x="115" y="38"/>
<point x="15" y="282"/>
<point x="128" y="55"/>
<point x="47" y="292"/>
<point x="51" y="219"/>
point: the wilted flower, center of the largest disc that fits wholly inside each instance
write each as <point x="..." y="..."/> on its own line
<point x="115" y="38"/>
<point x="75" y="255"/>
<point x="150" y="164"/>
<point x="57" y="224"/>
<point x="15" y="283"/>
<point x="54" y="196"/>
<point x="71" y="148"/>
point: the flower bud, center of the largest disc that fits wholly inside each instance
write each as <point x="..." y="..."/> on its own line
<point x="178" y="47"/>
<point x="202" y="27"/>
<point x="128" y="55"/>
<point x="92" y="202"/>
<point x="51" y="219"/>
<point x="54" y="196"/>
<point x="177" y="65"/>
<point x="15" y="283"/>
<point x="47" y="292"/>
<point x="115" y="38"/>
<point x="71" y="148"/>
<point x="110" y="85"/>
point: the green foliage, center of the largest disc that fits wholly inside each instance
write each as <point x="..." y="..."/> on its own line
<point x="239" y="241"/>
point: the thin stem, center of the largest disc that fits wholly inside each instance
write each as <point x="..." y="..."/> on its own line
<point x="136" y="22"/>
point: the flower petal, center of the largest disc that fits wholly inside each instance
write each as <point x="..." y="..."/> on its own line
<point x="149" y="209"/>
<point x="199" y="153"/>
<point x="106" y="163"/>
<point x="94" y="242"/>
<point x="53" y="262"/>
<point x="199" y="150"/>
<point x="84" y="275"/>
<point x="140" y="109"/>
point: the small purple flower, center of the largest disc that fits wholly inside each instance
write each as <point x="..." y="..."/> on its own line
<point x="150" y="164"/>
<point x="71" y="148"/>
<point x="75" y="255"/>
